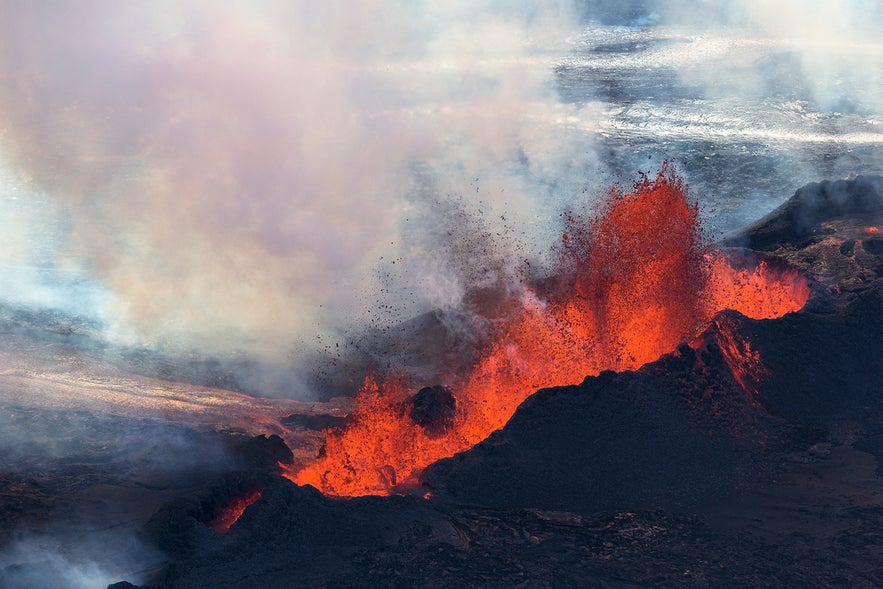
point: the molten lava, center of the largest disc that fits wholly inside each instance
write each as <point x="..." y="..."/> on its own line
<point x="231" y="512"/>
<point x="633" y="283"/>
<point x="765" y="291"/>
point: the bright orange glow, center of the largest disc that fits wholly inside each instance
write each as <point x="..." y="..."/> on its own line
<point x="763" y="292"/>
<point x="634" y="283"/>
<point x="872" y="230"/>
<point x="231" y="513"/>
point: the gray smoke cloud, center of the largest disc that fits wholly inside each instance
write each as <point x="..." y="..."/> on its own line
<point x="230" y="174"/>
<point x="89" y="562"/>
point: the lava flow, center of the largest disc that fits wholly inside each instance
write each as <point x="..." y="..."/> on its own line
<point x="633" y="283"/>
<point x="231" y="512"/>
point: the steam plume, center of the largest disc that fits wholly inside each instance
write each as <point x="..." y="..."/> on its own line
<point x="232" y="173"/>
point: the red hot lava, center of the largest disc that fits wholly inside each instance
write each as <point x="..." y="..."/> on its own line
<point x="635" y="281"/>
<point x="231" y="512"/>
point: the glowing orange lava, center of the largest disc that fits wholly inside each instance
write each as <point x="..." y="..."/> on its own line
<point x="633" y="283"/>
<point x="765" y="291"/>
<point x="231" y="512"/>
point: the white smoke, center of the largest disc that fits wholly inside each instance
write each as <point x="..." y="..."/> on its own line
<point x="232" y="172"/>
<point x="40" y="562"/>
<point x="836" y="45"/>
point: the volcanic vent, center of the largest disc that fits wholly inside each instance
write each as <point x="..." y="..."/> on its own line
<point x="631" y="284"/>
<point x="757" y="442"/>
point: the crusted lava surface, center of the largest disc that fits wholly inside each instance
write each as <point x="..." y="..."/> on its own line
<point x="748" y="457"/>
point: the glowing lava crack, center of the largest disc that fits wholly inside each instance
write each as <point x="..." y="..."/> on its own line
<point x="632" y="284"/>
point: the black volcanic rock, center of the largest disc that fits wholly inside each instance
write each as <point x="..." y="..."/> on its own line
<point x="802" y="215"/>
<point x="185" y="523"/>
<point x="873" y="246"/>
<point x="294" y="536"/>
<point x="315" y="422"/>
<point x="264" y="452"/>
<point x="824" y="368"/>
<point x="433" y="409"/>
<point x="824" y="363"/>
<point x="677" y="432"/>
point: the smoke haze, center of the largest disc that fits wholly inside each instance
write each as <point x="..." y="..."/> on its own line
<point x="232" y="173"/>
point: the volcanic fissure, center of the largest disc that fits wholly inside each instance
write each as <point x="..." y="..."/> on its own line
<point x="632" y="283"/>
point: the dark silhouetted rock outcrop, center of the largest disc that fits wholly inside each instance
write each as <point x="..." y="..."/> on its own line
<point x="433" y="409"/>
<point x="264" y="452"/>
<point x="801" y="216"/>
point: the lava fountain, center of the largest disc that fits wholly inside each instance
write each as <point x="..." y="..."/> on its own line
<point x="632" y="283"/>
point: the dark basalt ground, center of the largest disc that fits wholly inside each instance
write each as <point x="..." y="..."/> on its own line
<point x="673" y="475"/>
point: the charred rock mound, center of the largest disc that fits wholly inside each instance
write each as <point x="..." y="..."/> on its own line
<point x="673" y="434"/>
<point x="706" y="468"/>
<point x="684" y="429"/>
